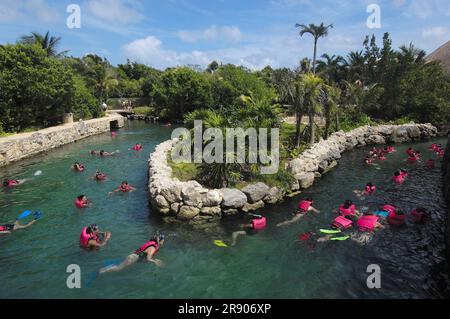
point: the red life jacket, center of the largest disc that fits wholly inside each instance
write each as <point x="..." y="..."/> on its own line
<point x="367" y="223"/>
<point x="396" y="220"/>
<point x="347" y="211"/>
<point x="370" y="189"/>
<point x="147" y="245"/>
<point x="79" y="203"/>
<point x="304" y="205"/>
<point x="342" y="223"/>
<point x="125" y="189"/>
<point x="85" y="238"/>
<point x="259" y="224"/>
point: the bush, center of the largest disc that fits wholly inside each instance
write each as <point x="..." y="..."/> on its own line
<point x="36" y="90"/>
<point x="85" y="105"/>
<point x="144" y="110"/>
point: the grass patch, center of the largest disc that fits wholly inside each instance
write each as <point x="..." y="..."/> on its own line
<point x="144" y="110"/>
<point x="183" y="171"/>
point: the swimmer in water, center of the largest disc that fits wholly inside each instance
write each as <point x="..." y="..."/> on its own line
<point x="99" y="176"/>
<point x="137" y="147"/>
<point x="145" y="252"/>
<point x="125" y="187"/>
<point x="370" y="189"/>
<point x="304" y="207"/>
<point x="258" y="223"/>
<point x="9" y="228"/>
<point x="420" y="215"/>
<point x="82" y="202"/>
<point x="92" y="237"/>
<point x="10" y="183"/>
<point x="78" y="167"/>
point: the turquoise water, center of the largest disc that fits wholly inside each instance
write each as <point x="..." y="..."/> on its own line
<point x="271" y="264"/>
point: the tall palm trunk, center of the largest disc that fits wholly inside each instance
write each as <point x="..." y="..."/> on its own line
<point x="299" y="116"/>
<point x="315" y="55"/>
<point x="312" y="128"/>
<point x="327" y="126"/>
<point x="338" y="124"/>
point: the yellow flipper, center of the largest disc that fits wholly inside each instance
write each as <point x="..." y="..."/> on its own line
<point x="220" y="243"/>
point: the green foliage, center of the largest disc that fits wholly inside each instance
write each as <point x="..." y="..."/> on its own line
<point x="144" y="110"/>
<point x="36" y="89"/>
<point x="184" y="171"/>
<point x="85" y="106"/>
<point x="180" y="91"/>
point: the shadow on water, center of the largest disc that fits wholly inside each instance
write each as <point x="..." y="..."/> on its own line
<point x="271" y="264"/>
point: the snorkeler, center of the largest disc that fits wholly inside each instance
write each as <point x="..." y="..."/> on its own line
<point x="78" y="167"/>
<point x="420" y="215"/>
<point x="10" y="183"/>
<point x="348" y="210"/>
<point x="82" y="202"/>
<point x="399" y="177"/>
<point x="258" y="223"/>
<point x="147" y="251"/>
<point x="369" y="189"/>
<point x="99" y="176"/>
<point x="137" y="147"/>
<point x="125" y="187"/>
<point x="396" y="218"/>
<point x="304" y="207"/>
<point x="91" y="237"/>
<point x="9" y="228"/>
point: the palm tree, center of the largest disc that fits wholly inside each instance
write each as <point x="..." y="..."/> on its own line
<point x="312" y="91"/>
<point x="412" y="54"/>
<point x="329" y="97"/>
<point x="317" y="32"/>
<point x="331" y="67"/>
<point x="99" y="76"/>
<point x="47" y="42"/>
<point x="355" y="65"/>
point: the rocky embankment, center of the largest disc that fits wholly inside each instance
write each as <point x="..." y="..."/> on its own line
<point x="20" y="146"/>
<point x="191" y="202"/>
<point x="446" y="190"/>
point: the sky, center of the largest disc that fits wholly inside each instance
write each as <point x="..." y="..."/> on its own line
<point x="252" y="33"/>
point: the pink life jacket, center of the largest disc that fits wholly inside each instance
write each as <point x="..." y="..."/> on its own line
<point x="12" y="182"/>
<point x="370" y="189"/>
<point x="259" y="224"/>
<point x="79" y="203"/>
<point x="304" y="205"/>
<point x="413" y="159"/>
<point x="125" y="189"/>
<point x="347" y="211"/>
<point x="396" y="220"/>
<point x="367" y="223"/>
<point x="137" y="148"/>
<point x="399" y="179"/>
<point x="342" y="223"/>
<point x="147" y="245"/>
<point x="85" y="238"/>
<point x="389" y="208"/>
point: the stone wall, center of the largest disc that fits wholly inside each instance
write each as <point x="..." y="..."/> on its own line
<point x="446" y="191"/>
<point x="193" y="203"/>
<point x="20" y="146"/>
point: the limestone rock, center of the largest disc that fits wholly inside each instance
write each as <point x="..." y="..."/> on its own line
<point x="233" y="198"/>
<point x="256" y="192"/>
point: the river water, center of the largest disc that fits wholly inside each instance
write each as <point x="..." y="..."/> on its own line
<point x="271" y="264"/>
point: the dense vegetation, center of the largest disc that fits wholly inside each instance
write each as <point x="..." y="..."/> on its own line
<point x="373" y="85"/>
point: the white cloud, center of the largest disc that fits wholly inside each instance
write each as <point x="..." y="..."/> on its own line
<point x="434" y="37"/>
<point x="23" y="9"/>
<point x="121" y="11"/>
<point x="213" y="33"/>
<point x="276" y="51"/>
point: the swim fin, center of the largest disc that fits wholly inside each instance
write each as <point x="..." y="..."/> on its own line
<point x="220" y="243"/>
<point x="330" y="231"/>
<point x="340" y="238"/>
